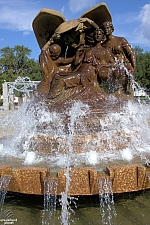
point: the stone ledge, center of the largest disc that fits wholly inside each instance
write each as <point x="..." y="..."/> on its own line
<point x="83" y="181"/>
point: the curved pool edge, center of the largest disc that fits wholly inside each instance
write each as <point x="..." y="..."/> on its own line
<point x="83" y="181"/>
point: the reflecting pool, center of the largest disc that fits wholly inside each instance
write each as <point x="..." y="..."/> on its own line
<point x="131" y="209"/>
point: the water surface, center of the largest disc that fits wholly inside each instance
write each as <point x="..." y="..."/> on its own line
<point x="131" y="209"/>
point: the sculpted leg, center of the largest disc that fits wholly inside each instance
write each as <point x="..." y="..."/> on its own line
<point x="61" y="82"/>
<point x="56" y="89"/>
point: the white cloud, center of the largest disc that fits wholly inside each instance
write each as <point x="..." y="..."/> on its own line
<point x="145" y="21"/>
<point x="140" y="40"/>
<point x="78" y="5"/>
<point x="26" y="33"/>
<point x="17" y="15"/>
<point x="62" y="10"/>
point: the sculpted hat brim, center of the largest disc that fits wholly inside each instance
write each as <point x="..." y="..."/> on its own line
<point x="98" y="13"/>
<point x="45" y="24"/>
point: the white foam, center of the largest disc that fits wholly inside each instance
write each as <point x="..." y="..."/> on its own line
<point x="91" y="157"/>
<point x="127" y="155"/>
<point x="30" y="157"/>
<point x="1" y="147"/>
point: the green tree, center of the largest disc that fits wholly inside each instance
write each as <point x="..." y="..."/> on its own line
<point x="138" y="50"/>
<point x="15" y="62"/>
<point x="142" y="73"/>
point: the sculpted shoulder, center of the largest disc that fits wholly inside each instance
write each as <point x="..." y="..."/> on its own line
<point x="120" y="40"/>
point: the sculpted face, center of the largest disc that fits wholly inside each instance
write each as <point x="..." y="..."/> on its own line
<point x="55" y="51"/>
<point x="98" y="35"/>
<point x="108" y="28"/>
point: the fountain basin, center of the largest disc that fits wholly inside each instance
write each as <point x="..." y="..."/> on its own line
<point x="83" y="181"/>
<point x="111" y="146"/>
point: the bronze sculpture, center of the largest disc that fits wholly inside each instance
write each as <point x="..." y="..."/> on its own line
<point x="82" y="56"/>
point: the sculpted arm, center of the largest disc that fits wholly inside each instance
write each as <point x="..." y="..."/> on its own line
<point x="47" y="65"/>
<point x="63" y="61"/>
<point x="129" y="53"/>
<point x="79" y="55"/>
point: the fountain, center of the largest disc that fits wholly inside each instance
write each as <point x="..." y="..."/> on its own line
<point x="83" y="127"/>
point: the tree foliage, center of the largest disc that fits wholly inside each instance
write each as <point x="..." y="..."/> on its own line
<point x="142" y="73"/>
<point x="15" y="62"/>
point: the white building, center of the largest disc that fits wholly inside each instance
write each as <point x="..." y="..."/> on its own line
<point x="140" y="93"/>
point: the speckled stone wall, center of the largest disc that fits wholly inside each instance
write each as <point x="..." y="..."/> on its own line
<point x="83" y="181"/>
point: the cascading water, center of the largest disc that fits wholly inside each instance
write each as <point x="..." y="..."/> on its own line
<point x="107" y="207"/>
<point x="77" y="110"/>
<point x="4" y="182"/>
<point x="50" y="197"/>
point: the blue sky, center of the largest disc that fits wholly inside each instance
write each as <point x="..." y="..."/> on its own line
<point x="131" y="19"/>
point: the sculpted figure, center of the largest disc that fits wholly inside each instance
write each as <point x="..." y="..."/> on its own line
<point x="104" y="56"/>
<point x="123" y="53"/>
<point x="51" y="62"/>
<point x="119" y="46"/>
<point x="85" y="75"/>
